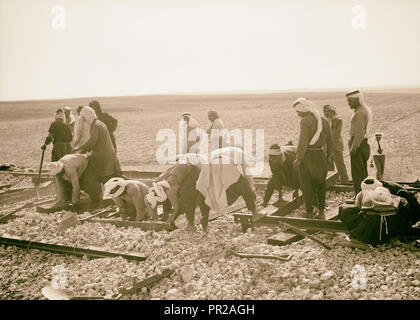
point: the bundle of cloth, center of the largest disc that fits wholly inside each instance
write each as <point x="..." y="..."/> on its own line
<point x="381" y="211"/>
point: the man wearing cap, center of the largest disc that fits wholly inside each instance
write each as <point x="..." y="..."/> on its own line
<point x="283" y="174"/>
<point x="60" y="135"/>
<point x="70" y="120"/>
<point x="130" y="197"/>
<point x="379" y="156"/>
<point x="358" y="143"/>
<point x="217" y="125"/>
<point x="68" y="173"/>
<point x="190" y="140"/>
<point x="311" y="161"/>
<point x="336" y="125"/>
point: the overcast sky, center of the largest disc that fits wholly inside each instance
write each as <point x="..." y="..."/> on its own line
<point x="127" y="47"/>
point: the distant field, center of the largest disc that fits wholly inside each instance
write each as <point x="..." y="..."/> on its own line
<point x="24" y="125"/>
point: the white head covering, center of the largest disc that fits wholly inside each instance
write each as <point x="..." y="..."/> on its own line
<point x="55" y="167"/>
<point x="379" y="196"/>
<point x="370" y="183"/>
<point x="82" y="127"/>
<point x="114" y="187"/>
<point x="305" y="105"/>
<point x="157" y="193"/>
<point x="359" y="94"/>
<point x="88" y="114"/>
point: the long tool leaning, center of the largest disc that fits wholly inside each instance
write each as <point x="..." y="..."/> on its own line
<point x="37" y="183"/>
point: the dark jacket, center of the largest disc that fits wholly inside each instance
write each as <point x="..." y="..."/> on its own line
<point x="103" y="158"/>
<point x="308" y="126"/>
<point x="110" y="122"/>
<point x="59" y="132"/>
<point x="284" y="171"/>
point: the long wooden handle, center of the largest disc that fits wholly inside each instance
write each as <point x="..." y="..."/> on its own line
<point x="307" y="235"/>
<point x="97" y="214"/>
<point x="13" y="212"/>
<point x="262" y="256"/>
<point x="40" y="166"/>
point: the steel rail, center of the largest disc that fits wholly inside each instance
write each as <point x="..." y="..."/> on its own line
<point x="62" y="249"/>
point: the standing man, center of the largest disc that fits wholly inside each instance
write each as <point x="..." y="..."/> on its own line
<point x="191" y="124"/>
<point x="110" y="122"/>
<point x="103" y="163"/>
<point x="379" y="156"/>
<point x="60" y="135"/>
<point x="216" y="124"/>
<point x="336" y="124"/>
<point x="358" y="144"/>
<point x="70" y="120"/>
<point x="311" y="161"/>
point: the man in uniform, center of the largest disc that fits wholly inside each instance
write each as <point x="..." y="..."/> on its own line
<point x="311" y="161"/>
<point x="358" y="143"/>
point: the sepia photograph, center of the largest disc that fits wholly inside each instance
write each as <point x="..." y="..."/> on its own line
<point x="217" y="151"/>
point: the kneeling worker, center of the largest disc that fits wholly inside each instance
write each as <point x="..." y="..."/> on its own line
<point x="130" y="197"/>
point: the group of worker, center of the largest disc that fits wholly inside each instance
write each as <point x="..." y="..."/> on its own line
<point x="87" y="158"/>
<point x="83" y="155"/>
<point x="320" y="146"/>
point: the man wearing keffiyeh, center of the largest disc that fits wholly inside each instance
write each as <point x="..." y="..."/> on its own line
<point x="358" y="144"/>
<point x="311" y="161"/>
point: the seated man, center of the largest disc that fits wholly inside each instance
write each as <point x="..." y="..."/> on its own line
<point x="130" y="197"/>
<point x="375" y="196"/>
<point x="223" y="181"/>
<point x="67" y="171"/>
<point x="283" y="173"/>
<point x="382" y="210"/>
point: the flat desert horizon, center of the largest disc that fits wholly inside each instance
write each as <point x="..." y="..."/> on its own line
<point x="24" y="124"/>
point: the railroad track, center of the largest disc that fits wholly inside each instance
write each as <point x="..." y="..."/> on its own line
<point x="276" y="215"/>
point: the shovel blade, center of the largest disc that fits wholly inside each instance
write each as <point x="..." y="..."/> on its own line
<point x="68" y="222"/>
<point x="56" y="294"/>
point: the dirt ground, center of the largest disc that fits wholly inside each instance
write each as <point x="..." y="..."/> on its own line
<point x="24" y="125"/>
